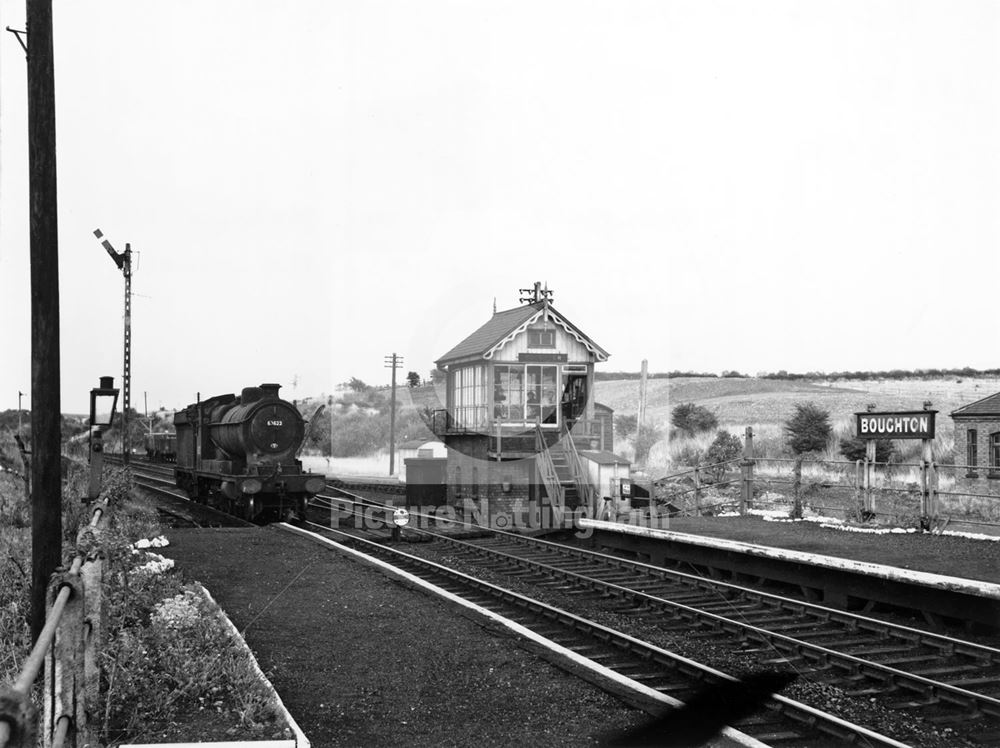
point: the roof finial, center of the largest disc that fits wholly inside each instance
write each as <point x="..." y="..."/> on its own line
<point x="536" y="293"/>
<point x="494" y="304"/>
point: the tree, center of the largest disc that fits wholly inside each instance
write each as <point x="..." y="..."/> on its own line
<point x="691" y="419"/>
<point x="625" y="424"/>
<point x="413" y="379"/>
<point x="438" y="376"/>
<point x="356" y="385"/>
<point x="854" y="448"/>
<point x="808" y="430"/>
<point x="724" y="448"/>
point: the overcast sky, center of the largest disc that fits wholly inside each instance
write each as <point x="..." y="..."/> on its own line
<point x="309" y="186"/>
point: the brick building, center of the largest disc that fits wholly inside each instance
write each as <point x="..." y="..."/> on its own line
<point x="977" y="446"/>
<point x="520" y="410"/>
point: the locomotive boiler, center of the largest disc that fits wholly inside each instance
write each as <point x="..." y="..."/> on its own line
<point x="240" y="453"/>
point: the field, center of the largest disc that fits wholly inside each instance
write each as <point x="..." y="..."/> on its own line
<point x="766" y="404"/>
<point x="747" y="402"/>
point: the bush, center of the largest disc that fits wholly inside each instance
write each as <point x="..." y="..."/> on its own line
<point x="724" y="448"/>
<point x="691" y="419"/>
<point x="809" y="429"/>
<point x="625" y="425"/>
<point x="853" y="448"/>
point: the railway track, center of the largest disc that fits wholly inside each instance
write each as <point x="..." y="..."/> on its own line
<point x="947" y="682"/>
<point x="784" y="721"/>
<point x="174" y="507"/>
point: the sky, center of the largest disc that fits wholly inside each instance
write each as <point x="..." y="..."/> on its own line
<point x="309" y="186"/>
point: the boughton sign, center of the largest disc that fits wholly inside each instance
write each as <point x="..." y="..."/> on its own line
<point x="916" y="424"/>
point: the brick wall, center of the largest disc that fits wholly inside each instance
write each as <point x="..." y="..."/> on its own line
<point x="976" y="479"/>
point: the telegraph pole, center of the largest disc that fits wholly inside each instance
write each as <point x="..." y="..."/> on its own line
<point x="394" y="362"/>
<point x="124" y="262"/>
<point x="46" y="488"/>
<point x="642" y="396"/>
<point x="19" y="396"/>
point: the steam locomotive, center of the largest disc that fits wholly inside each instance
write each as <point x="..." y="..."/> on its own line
<point x="240" y="454"/>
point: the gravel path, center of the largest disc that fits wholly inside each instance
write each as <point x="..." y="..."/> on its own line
<point x="362" y="660"/>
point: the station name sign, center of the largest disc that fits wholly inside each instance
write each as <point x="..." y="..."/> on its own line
<point x="917" y="424"/>
<point x="551" y="358"/>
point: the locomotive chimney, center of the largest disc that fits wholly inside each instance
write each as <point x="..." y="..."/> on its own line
<point x="270" y="389"/>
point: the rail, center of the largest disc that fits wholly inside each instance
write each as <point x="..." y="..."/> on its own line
<point x="67" y="649"/>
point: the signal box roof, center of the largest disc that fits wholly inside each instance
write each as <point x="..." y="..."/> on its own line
<point x="505" y="325"/>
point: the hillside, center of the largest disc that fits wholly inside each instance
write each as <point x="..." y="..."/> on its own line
<point x="749" y="402"/>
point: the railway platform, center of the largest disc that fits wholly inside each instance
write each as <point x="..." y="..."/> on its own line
<point x="943" y="577"/>
<point x="360" y="659"/>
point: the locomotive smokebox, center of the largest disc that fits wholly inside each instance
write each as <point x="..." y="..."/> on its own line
<point x="261" y="427"/>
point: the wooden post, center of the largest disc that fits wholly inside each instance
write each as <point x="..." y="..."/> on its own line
<point x="869" y="468"/>
<point x="642" y="398"/>
<point x="928" y="477"/>
<point x="697" y="491"/>
<point x="859" y="491"/>
<point x="746" y="495"/>
<point x="934" y="508"/>
<point x="797" y="489"/>
<point x="65" y="693"/>
<point x="46" y="484"/>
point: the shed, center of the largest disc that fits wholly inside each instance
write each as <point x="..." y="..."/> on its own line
<point x="610" y="476"/>
<point x="420" y="448"/>
<point x="977" y="445"/>
<point x="426" y="482"/>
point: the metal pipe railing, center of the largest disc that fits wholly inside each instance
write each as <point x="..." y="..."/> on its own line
<point x="61" y="652"/>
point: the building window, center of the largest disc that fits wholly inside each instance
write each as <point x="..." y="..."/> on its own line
<point x="526" y="393"/>
<point x="542" y="338"/>
<point x="468" y="397"/>
<point x="972" y="449"/>
<point x="995" y="453"/>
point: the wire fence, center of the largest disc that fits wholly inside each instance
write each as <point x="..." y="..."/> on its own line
<point x="67" y="651"/>
<point x="927" y="493"/>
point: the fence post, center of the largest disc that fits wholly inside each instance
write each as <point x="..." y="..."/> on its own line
<point x="64" y="696"/>
<point x="935" y="509"/>
<point x="869" y="468"/>
<point x="859" y="490"/>
<point x="926" y="480"/>
<point x="797" y="489"/>
<point x="92" y="574"/>
<point x="746" y="495"/>
<point x="697" y="491"/>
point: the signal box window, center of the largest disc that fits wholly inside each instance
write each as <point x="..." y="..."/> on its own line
<point x="995" y="455"/>
<point x="972" y="449"/>
<point x="541" y="338"/>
